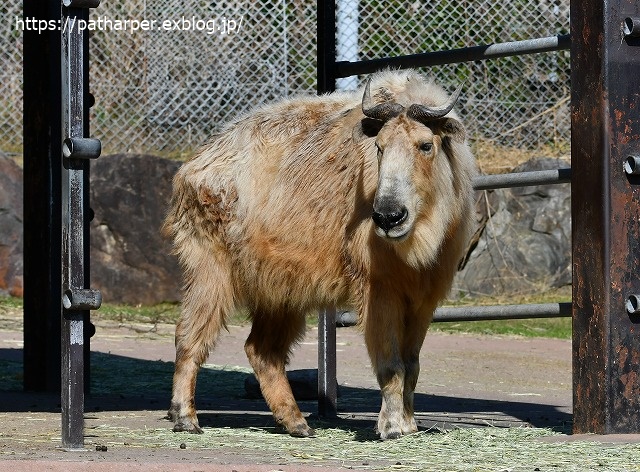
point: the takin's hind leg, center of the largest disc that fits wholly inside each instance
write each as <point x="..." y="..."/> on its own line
<point x="207" y="301"/>
<point x="268" y="347"/>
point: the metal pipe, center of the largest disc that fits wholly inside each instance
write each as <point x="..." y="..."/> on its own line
<point x="522" y="179"/>
<point x="81" y="3"/>
<point x="631" y="27"/>
<point x="327" y="386"/>
<point x="482" y="313"/>
<point x="474" y="53"/>
<point x="326" y="43"/>
<point x="632" y="165"/>
<point x="503" y="312"/>
<point x="81" y="148"/>
<point x="633" y="304"/>
<point x="347" y="39"/>
<point x="81" y="299"/>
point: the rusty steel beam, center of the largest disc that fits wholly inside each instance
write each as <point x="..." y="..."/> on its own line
<point x="605" y="133"/>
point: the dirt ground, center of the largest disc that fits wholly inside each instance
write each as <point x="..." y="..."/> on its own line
<point x="466" y="381"/>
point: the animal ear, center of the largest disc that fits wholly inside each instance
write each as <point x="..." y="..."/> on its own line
<point x="367" y="128"/>
<point x="452" y="128"/>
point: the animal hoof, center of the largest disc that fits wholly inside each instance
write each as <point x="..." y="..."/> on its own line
<point x="302" y="431"/>
<point x="187" y="428"/>
<point x="391" y="435"/>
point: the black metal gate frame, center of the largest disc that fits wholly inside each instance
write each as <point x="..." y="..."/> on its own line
<point x="605" y="190"/>
<point x="77" y="149"/>
<point x="605" y="155"/>
<point x="56" y="196"/>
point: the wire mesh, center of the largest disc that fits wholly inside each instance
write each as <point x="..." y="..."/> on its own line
<point x="166" y="88"/>
<point x="517" y="101"/>
<point x="11" y="78"/>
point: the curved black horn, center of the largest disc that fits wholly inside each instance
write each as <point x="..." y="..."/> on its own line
<point x="383" y="111"/>
<point x="423" y="112"/>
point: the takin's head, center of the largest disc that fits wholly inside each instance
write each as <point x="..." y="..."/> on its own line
<point x="413" y="146"/>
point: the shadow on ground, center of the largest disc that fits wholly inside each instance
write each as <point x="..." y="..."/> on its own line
<point x="121" y="383"/>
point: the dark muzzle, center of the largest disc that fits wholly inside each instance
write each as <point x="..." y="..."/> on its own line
<point x="389" y="220"/>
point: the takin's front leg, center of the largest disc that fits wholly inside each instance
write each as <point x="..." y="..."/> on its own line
<point x="383" y="336"/>
<point x="397" y="381"/>
<point x="268" y="347"/>
<point x="391" y="420"/>
<point x="415" y="330"/>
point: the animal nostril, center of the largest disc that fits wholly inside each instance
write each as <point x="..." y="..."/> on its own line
<point x="379" y="219"/>
<point x="398" y="217"/>
<point x="387" y="221"/>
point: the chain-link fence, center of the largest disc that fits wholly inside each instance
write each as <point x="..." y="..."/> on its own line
<point x="11" y="79"/>
<point x="517" y="101"/>
<point x="191" y="66"/>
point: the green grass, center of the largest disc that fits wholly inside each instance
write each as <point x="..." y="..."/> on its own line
<point x="161" y="313"/>
<point x="535" y="327"/>
<point x="8" y="304"/>
<point x="559" y="328"/>
<point x="169" y="313"/>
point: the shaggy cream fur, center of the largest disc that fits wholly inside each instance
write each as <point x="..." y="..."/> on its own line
<point x="274" y="215"/>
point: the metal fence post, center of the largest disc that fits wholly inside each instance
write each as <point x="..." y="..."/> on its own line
<point x="327" y="372"/>
<point x="76" y="150"/>
<point x="326" y="54"/>
<point x="42" y="196"/>
<point x="327" y="390"/>
<point x="605" y="132"/>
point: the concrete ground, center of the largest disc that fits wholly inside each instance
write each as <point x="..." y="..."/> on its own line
<point x="466" y="381"/>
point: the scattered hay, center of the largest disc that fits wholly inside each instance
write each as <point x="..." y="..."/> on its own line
<point x="469" y="449"/>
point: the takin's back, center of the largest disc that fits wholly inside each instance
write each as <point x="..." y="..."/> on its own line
<point x="278" y="190"/>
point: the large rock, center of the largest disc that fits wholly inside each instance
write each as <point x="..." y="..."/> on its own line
<point x="11" y="268"/>
<point x="130" y="261"/>
<point x="524" y="239"/>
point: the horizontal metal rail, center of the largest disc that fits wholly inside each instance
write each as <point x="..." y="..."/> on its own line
<point x="503" y="312"/>
<point x="482" y="313"/>
<point x="474" y="53"/>
<point x="522" y="179"/>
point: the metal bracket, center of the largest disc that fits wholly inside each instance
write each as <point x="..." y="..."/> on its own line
<point x="631" y="27"/>
<point x="81" y="3"/>
<point x="81" y="148"/>
<point x="81" y="299"/>
<point x="632" y="165"/>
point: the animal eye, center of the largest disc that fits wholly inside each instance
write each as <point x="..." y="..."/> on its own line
<point x="426" y="147"/>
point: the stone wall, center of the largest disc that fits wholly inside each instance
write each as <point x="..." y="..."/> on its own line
<point x="523" y="241"/>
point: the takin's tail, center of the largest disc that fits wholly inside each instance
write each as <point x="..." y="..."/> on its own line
<point x="176" y="221"/>
<point x="196" y="223"/>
